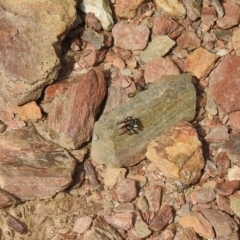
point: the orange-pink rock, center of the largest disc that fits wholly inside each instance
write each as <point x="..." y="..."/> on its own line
<point x="130" y="36"/>
<point x="200" y="62"/>
<point x="159" y="67"/>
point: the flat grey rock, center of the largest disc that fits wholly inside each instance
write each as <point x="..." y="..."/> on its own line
<point x="166" y="102"/>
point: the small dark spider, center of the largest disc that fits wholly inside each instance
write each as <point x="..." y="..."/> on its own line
<point x="128" y="125"/>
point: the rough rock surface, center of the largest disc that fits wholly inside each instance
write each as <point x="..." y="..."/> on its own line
<point x="155" y="69"/>
<point x="158" y="47"/>
<point x="161" y="104"/>
<point x="127" y="9"/>
<point x="233" y="149"/>
<point x="30" y="64"/>
<point x="166" y="26"/>
<point x="70" y="122"/>
<point x="223" y="225"/>
<point x="130" y="36"/>
<point x="32" y="167"/>
<point x="200" y="62"/>
<point x="174" y="8"/>
<point x="178" y="153"/>
<point x="224" y="83"/>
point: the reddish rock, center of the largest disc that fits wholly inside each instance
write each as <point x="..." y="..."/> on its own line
<point x="31" y="61"/>
<point x="16" y="123"/>
<point x="223" y="163"/>
<point x="71" y="119"/>
<point x="121" y="221"/>
<point x="166" y="26"/>
<point x="32" y="167"/>
<point x="224" y="82"/>
<point x="224" y="225"/>
<point x="224" y="204"/>
<point x="200" y="224"/>
<point x="28" y="112"/>
<point x="6" y="199"/>
<point x="159" y="67"/>
<point x="189" y="40"/>
<point x="208" y="18"/>
<point x="118" y="92"/>
<point x="82" y="224"/>
<point x="126" y="8"/>
<point x="153" y="195"/>
<point x="227" y="188"/>
<point x="236" y="41"/>
<point x="118" y="62"/>
<point x="17" y="225"/>
<point x="231" y="16"/>
<point x="218" y="134"/>
<point x="233" y="149"/>
<point x="6" y="112"/>
<point x="200" y="62"/>
<point x="91" y="55"/>
<point x="161" y="218"/>
<point x="234" y="121"/>
<point x="126" y="190"/>
<point x="202" y="195"/>
<point x="130" y="36"/>
<point x="93" y="22"/>
<point x="178" y="153"/>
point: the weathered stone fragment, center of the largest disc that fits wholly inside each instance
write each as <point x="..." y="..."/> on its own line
<point x="130" y="36"/>
<point x="126" y="8"/>
<point x="178" y="153"/>
<point x="101" y="9"/>
<point x="233" y="149"/>
<point x="224" y="82"/>
<point x="199" y="223"/>
<point x="193" y="9"/>
<point x="17" y="225"/>
<point x="161" y="218"/>
<point x="30" y="41"/>
<point x="73" y="109"/>
<point x="31" y="167"/>
<point x="165" y="103"/>
<point x="172" y="7"/>
<point x="102" y="230"/>
<point x="224" y="226"/>
<point x="159" y="67"/>
<point x="158" y="47"/>
<point x="166" y="26"/>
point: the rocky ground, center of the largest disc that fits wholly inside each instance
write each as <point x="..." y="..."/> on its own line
<point x="120" y="120"/>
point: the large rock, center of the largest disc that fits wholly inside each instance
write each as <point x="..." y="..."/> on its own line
<point x="30" y="41"/>
<point x="76" y="102"/>
<point x="224" y="82"/>
<point x="31" y="167"/>
<point x="178" y="153"/>
<point x="165" y="103"/>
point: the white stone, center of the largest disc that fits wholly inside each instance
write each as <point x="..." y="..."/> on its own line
<point x="101" y="10"/>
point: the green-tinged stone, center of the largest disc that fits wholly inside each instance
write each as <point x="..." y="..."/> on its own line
<point x="166" y="102"/>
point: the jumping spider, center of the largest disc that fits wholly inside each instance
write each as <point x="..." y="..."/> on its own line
<point x="128" y="125"/>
